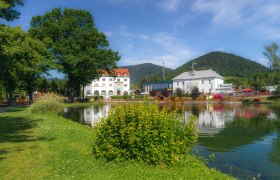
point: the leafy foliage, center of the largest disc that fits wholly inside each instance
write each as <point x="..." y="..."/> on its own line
<point x="77" y="44"/>
<point x="179" y="92"/>
<point x="23" y="60"/>
<point x="195" y="93"/>
<point x="224" y="64"/>
<point x="7" y="10"/>
<point x="272" y="54"/>
<point x="142" y="132"/>
<point x="48" y="103"/>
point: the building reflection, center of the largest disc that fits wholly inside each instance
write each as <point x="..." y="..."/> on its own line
<point x="94" y="114"/>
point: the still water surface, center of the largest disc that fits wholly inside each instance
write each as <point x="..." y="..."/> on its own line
<point x="244" y="138"/>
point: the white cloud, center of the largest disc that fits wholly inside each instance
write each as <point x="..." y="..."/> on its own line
<point x="170" y="5"/>
<point x="257" y="17"/>
<point x="108" y="33"/>
<point x="224" y="12"/>
<point x="163" y="46"/>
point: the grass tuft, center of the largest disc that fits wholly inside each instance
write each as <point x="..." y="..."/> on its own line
<point x="48" y="103"/>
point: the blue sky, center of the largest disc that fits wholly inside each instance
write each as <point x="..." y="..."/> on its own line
<point x="175" y="31"/>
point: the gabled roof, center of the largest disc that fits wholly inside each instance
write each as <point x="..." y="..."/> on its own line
<point x="198" y="75"/>
<point x="118" y="72"/>
<point x="121" y="72"/>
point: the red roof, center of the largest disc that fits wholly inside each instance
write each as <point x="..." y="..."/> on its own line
<point x="118" y="72"/>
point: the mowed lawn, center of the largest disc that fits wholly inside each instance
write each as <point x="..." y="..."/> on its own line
<point x="51" y="147"/>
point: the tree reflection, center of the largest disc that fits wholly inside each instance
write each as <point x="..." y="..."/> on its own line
<point x="237" y="133"/>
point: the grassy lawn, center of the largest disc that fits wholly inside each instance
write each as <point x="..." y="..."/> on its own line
<point x="48" y="146"/>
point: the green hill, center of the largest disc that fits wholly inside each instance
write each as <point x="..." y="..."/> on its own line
<point x="137" y="72"/>
<point x="225" y="64"/>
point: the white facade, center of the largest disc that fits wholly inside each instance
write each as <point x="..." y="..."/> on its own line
<point x="107" y="86"/>
<point x="207" y="81"/>
<point x="93" y="115"/>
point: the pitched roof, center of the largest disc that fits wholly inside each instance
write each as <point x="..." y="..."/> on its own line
<point x="118" y="72"/>
<point x="198" y="75"/>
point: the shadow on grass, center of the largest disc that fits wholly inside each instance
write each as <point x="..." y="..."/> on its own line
<point x="18" y="129"/>
<point x="13" y="129"/>
<point x="15" y="108"/>
<point x="2" y="152"/>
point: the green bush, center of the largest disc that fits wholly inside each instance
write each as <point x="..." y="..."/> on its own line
<point x="138" y="96"/>
<point x="47" y="103"/>
<point x="142" y="132"/>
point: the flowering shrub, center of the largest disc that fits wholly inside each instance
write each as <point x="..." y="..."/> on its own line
<point x="47" y="103"/>
<point x="142" y="132"/>
<point x="219" y="96"/>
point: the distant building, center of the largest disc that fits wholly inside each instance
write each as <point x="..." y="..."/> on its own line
<point x="107" y="85"/>
<point x="226" y="88"/>
<point x="207" y="81"/>
<point x="157" y="86"/>
<point x="271" y="88"/>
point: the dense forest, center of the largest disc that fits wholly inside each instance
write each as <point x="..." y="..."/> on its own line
<point x="225" y="64"/>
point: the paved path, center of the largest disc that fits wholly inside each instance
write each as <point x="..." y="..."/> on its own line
<point x="4" y="109"/>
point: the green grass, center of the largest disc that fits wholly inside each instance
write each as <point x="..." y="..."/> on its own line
<point x="51" y="147"/>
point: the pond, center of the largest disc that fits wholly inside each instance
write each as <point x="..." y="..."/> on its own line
<point x="245" y="139"/>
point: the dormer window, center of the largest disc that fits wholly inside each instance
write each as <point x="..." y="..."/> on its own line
<point x="119" y="74"/>
<point x="124" y="74"/>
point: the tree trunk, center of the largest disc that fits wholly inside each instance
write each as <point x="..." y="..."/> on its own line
<point x="7" y="95"/>
<point x="71" y="88"/>
<point x="10" y="99"/>
<point x="30" y="95"/>
<point x="83" y="93"/>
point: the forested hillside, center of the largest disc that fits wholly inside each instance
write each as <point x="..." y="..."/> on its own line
<point x="225" y="64"/>
<point x="146" y="70"/>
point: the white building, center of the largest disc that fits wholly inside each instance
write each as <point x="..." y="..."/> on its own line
<point x="108" y="85"/>
<point x="207" y="81"/>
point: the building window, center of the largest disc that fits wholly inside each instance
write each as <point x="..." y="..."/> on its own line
<point x="177" y="83"/>
<point x="103" y="93"/>
<point x="202" y="81"/>
<point x="118" y="80"/>
<point x="96" y="84"/>
<point x="125" y="93"/>
<point x="88" y="91"/>
<point x="103" y="79"/>
<point x="103" y="85"/>
<point x="110" y="92"/>
<point x="96" y="93"/>
<point x="110" y="85"/>
<point x="119" y="74"/>
<point x="124" y="74"/>
<point x="209" y="81"/>
<point x="110" y="79"/>
<point x="125" y="85"/>
<point x="125" y="79"/>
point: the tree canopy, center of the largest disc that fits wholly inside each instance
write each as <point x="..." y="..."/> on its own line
<point x="7" y="10"/>
<point x="23" y="60"/>
<point x="272" y="54"/>
<point x="82" y="51"/>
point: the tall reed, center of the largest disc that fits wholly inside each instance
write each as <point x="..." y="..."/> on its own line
<point x="47" y="103"/>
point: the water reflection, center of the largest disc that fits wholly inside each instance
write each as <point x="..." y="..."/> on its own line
<point x="245" y="139"/>
<point x="87" y="115"/>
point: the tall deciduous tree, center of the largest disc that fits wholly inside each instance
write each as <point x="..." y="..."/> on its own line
<point x="23" y="60"/>
<point x="7" y="10"/>
<point x="77" y="44"/>
<point x="272" y="54"/>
